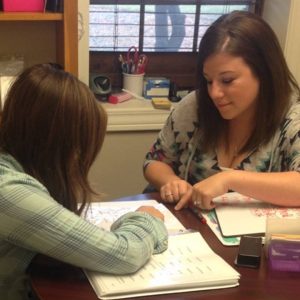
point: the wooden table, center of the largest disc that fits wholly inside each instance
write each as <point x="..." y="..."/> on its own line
<point x="68" y="282"/>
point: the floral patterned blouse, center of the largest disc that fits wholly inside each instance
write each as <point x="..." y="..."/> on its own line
<point x="179" y="145"/>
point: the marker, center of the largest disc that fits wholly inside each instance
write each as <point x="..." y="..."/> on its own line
<point x="197" y="212"/>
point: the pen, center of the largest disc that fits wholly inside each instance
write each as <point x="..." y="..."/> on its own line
<point x="197" y="212"/>
<point x="133" y="94"/>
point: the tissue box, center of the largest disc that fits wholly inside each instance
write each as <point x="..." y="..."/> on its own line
<point x="156" y="87"/>
<point x="23" y="5"/>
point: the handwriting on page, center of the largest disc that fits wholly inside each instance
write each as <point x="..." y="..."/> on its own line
<point x="103" y="214"/>
<point x="257" y="207"/>
<point x="188" y="260"/>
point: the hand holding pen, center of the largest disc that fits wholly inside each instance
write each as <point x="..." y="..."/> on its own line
<point x="196" y="211"/>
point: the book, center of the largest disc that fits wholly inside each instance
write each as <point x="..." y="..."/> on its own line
<point x="241" y="215"/>
<point x="103" y="214"/>
<point x="54" y="5"/>
<point x="212" y="222"/>
<point x="188" y="264"/>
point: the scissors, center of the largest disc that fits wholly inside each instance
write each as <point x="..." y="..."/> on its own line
<point x="135" y="63"/>
<point x="132" y="59"/>
<point x="142" y="63"/>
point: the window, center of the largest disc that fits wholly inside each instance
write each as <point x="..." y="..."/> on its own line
<point x="168" y="30"/>
<point x="157" y="26"/>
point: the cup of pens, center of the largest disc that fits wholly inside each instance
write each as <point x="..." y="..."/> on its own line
<point x="133" y="68"/>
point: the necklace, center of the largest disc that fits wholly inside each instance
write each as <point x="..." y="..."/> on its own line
<point x="228" y="156"/>
<point x="234" y="156"/>
<point x="230" y="153"/>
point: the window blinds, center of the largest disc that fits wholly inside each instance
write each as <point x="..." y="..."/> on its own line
<point x="174" y="26"/>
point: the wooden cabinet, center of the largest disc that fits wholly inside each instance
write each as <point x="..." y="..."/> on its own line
<point x="65" y="31"/>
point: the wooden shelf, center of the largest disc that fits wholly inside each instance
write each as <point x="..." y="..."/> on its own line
<point x="24" y="16"/>
<point x="66" y="28"/>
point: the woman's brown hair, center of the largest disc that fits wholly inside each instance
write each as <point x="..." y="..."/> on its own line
<point x="246" y="35"/>
<point x="53" y="126"/>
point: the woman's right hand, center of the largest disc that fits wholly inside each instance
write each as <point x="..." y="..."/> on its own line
<point x="175" y="190"/>
<point x="151" y="210"/>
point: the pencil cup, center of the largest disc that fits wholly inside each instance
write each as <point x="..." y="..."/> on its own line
<point x="133" y="83"/>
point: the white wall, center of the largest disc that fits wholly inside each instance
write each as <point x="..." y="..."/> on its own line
<point x="118" y="171"/>
<point x="284" y="18"/>
<point x="292" y="45"/>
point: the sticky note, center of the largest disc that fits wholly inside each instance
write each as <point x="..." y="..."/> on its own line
<point x="161" y="103"/>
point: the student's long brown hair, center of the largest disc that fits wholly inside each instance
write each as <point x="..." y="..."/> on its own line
<point x="248" y="36"/>
<point x="53" y="126"/>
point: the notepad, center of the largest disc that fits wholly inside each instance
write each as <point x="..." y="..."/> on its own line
<point x="241" y="215"/>
<point x="188" y="264"/>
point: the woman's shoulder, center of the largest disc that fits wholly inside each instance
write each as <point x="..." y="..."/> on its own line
<point x="190" y="100"/>
<point x="186" y="109"/>
<point x="14" y="177"/>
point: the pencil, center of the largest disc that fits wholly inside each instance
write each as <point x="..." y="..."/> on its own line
<point x="197" y="212"/>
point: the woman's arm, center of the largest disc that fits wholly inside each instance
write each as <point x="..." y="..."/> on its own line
<point x="31" y="220"/>
<point x="171" y="187"/>
<point x="164" y="163"/>
<point x="280" y="188"/>
<point x="158" y="173"/>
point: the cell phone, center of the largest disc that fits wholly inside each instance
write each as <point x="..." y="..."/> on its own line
<point x="249" y="252"/>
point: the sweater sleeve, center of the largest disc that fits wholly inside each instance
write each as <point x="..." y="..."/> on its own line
<point x="175" y="135"/>
<point x="31" y="221"/>
<point x="289" y="140"/>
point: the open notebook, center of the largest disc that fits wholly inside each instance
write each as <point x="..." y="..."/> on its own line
<point x="103" y="214"/>
<point x="188" y="264"/>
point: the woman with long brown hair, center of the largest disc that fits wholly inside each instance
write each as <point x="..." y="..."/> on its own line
<point x="240" y="130"/>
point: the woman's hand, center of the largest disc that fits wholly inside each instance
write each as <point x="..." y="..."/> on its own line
<point x="175" y="190"/>
<point x="205" y="190"/>
<point x="152" y="211"/>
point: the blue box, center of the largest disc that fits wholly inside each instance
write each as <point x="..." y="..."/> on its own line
<point x="156" y="87"/>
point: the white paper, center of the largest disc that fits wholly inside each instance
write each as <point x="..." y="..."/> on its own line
<point x="103" y="214"/>
<point x="239" y="215"/>
<point x="5" y="83"/>
<point x="188" y="264"/>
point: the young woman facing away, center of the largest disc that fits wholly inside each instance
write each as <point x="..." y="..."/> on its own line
<point x="51" y="131"/>
<point x="240" y="129"/>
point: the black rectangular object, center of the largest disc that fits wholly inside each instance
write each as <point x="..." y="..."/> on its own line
<point x="249" y="252"/>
